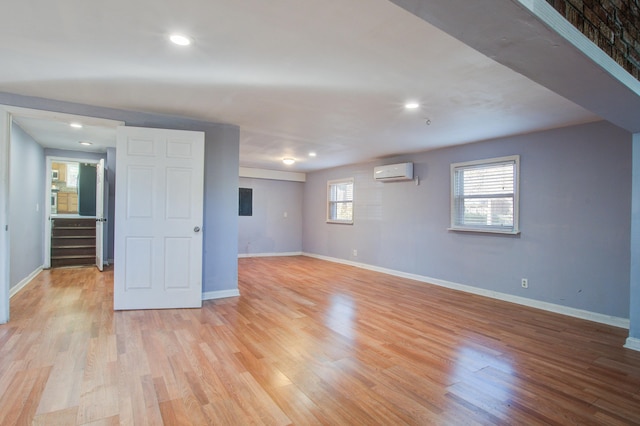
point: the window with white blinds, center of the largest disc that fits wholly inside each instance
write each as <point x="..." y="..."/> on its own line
<point x="484" y="195"/>
<point x="340" y="201"/>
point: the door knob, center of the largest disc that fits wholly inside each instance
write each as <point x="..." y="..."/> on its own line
<point x="196" y="229"/>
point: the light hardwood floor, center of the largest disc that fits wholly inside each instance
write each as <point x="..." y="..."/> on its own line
<point x="308" y="342"/>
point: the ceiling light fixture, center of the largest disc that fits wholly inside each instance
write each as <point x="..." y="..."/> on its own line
<point x="85" y="143"/>
<point x="180" y="40"/>
<point x="411" y="105"/>
<point x="288" y="161"/>
<point x="76" y="125"/>
<point x="312" y="154"/>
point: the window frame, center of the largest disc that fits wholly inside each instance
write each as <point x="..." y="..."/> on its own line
<point x="334" y="182"/>
<point x="455" y="203"/>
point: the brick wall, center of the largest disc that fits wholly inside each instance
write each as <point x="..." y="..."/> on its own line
<point x="613" y="25"/>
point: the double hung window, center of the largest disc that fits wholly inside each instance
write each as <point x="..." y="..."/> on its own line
<point x="484" y="195"/>
<point x="340" y="201"/>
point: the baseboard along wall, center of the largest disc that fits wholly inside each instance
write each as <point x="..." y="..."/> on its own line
<point x="220" y="294"/>
<point x="632" y="343"/>
<point x="24" y="282"/>
<point x="293" y="253"/>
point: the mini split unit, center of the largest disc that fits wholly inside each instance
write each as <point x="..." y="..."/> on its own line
<point x="393" y="172"/>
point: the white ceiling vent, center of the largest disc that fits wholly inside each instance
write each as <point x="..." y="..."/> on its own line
<point x="393" y="172"/>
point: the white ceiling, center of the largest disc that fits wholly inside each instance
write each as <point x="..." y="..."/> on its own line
<point x="297" y="76"/>
<point x="57" y="133"/>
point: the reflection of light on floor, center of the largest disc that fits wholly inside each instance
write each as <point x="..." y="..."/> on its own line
<point x="485" y="380"/>
<point x="340" y="315"/>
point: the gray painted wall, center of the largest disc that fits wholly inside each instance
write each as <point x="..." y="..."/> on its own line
<point x="575" y="220"/>
<point x="634" y="314"/>
<point x="220" y="227"/>
<point x="26" y="215"/>
<point x="220" y="231"/>
<point x="268" y="230"/>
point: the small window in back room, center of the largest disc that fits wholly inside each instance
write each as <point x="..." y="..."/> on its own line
<point x="340" y="201"/>
<point x="246" y="202"/>
<point x="73" y="170"/>
<point x="485" y="195"/>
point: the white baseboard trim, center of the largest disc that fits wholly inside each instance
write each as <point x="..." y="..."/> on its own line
<point x="292" y="253"/>
<point x="220" y="294"/>
<point x="546" y="306"/>
<point x="22" y="284"/>
<point x="632" y="343"/>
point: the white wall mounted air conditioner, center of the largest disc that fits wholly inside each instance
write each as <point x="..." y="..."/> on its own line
<point x="392" y="172"/>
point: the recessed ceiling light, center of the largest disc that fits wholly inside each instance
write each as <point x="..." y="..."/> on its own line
<point x="411" y="105"/>
<point x="288" y="161"/>
<point x="312" y="154"/>
<point x="76" y="125"/>
<point x="180" y="40"/>
<point x="85" y="143"/>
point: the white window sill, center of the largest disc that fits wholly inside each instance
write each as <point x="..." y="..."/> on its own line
<point x="340" y="222"/>
<point x="485" y="231"/>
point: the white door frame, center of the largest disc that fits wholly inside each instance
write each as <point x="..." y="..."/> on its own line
<point x="47" y="202"/>
<point x="5" y="137"/>
<point x="6" y="112"/>
<point x="100" y="216"/>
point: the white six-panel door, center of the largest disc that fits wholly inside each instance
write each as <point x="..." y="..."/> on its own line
<point x="158" y="220"/>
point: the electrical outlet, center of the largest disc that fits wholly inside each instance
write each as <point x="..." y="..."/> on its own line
<point x="355" y="252"/>
<point x="525" y="283"/>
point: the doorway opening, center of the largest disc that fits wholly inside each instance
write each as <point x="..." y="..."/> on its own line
<point x="24" y="243"/>
<point x="72" y="228"/>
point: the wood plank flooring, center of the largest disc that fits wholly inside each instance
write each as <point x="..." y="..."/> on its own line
<point x="308" y="342"/>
